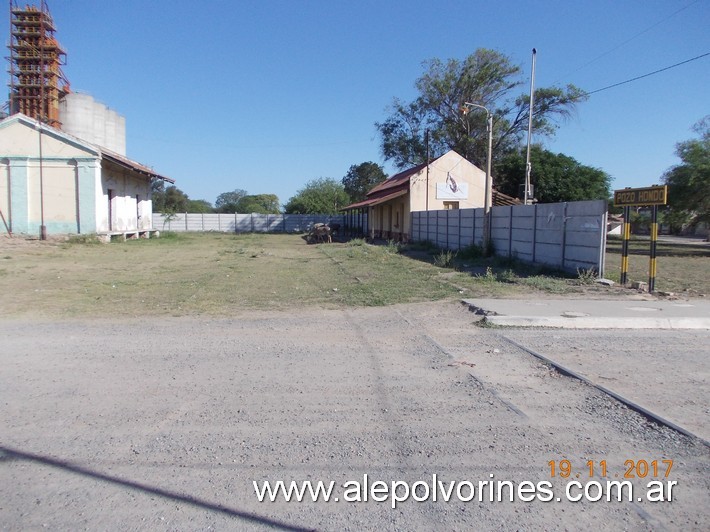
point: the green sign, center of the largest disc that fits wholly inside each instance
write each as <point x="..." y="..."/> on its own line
<point x="636" y="197"/>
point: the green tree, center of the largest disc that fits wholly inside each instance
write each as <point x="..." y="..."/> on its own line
<point x="556" y="177"/>
<point x="168" y="199"/>
<point x="361" y="178"/>
<point x="227" y="202"/>
<point x="259" y="203"/>
<point x="486" y="77"/>
<point x="157" y="194"/>
<point x="689" y="182"/>
<point x="319" y="196"/>
<point x="198" y="206"/>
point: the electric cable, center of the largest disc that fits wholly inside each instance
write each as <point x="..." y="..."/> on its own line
<point x="588" y="93"/>
<point x="628" y="40"/>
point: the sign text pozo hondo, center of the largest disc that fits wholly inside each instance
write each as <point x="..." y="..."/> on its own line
<point x="630" y="197"/>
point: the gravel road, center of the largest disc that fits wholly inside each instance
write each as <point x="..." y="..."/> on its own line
<point x="164" y="424"/>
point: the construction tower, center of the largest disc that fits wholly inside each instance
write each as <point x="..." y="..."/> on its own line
<point x="36" y="79"/>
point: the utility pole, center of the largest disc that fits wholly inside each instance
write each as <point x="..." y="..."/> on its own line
<point x="426" y="138"/>
<point x="488" y="185"/>
<point x="528" y="166"/>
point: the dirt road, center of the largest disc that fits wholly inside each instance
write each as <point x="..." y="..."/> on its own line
<point x="166" y="424"/>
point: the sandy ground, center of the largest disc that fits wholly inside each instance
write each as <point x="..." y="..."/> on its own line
<point x="165" y="424"/>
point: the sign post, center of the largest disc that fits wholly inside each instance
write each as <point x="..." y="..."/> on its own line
<point x="626" y="236"/>
<point x="652" y="255"/>
<point x="640" y="197"/>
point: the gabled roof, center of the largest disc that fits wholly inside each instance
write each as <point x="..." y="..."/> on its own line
<point x="371" y="202"/>
<point x="390" y="188"/>
<point x="25" y="120"/>
<point x="104" y="153"/>
<point x="397" y="180"/>
<point x="398" y="185"/>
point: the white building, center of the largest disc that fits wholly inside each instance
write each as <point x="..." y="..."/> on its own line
<point x="447" y="182"/>
<point x="69" y="185"/>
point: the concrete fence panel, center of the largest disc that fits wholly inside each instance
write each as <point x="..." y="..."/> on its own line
<point x="242" y="223"/>
<point x="568" y="236"/>
<point x="466" y="218"/>
<point x="501" y="229"/>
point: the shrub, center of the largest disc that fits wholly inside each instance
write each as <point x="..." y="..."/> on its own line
<point x="445" y="259"/>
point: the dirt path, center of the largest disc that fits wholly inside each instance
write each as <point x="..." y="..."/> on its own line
<point x="165" y="424"/>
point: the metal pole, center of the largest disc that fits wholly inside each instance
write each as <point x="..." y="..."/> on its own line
<point x="427" y="170"/>
<point x="7" y="228"/>
<point x="427" y="184"/>
<point x="489" y="187"/>
<point x="652" y="260"/>
<point x="626" y="235"/>
<point x="42" y="227"/>
<point x="528" y="166"/>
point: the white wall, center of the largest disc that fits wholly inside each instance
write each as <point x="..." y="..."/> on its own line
<point x="130" y="203"/>
<point x="463" y="173"/>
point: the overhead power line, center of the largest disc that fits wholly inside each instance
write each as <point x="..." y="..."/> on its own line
<point x="649" y="28"/>
<point x="647" y="75"/>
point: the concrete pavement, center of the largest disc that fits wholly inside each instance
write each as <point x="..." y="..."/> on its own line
<point x="594" y="314"/>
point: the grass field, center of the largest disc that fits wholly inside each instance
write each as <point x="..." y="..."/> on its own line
<point x="680" y="267"/>
<point x="221" y="274"/>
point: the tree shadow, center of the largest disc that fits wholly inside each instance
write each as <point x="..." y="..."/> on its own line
<point x="9" y="454"/>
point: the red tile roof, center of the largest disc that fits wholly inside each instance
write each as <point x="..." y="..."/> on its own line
<point x="370" y="202"/>
<point x="397" y="180"/>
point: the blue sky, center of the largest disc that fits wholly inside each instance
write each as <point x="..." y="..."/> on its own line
<point x="266" y="95"/>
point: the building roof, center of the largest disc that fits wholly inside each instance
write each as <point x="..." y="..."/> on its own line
<point x="371" y="202"/>
<point x="104" y="153"/>
<point x="390" y="188"/>
<point x="398" y="185"/>
<point x="132" y="165"/>
<point x="396" y="181"/>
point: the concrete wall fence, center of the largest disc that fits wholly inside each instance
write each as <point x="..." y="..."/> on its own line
<point x="568" y="236"/>
<point x="242" y="223"/>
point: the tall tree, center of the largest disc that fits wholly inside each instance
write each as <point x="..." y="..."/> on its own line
<point x="259" y="203"/>
<point x="319" y="196"/>
<point x="227" y="202"/>
<point x="689" y="182"/>
<point x="168" y="199"/>
<point x="486" y="77"/>
<point x="199" y="206"/>
<point x="556" y="177"/>
<point x="361" y="178"/>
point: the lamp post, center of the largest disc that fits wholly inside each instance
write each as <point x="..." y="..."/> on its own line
<point x="489" y="189"/>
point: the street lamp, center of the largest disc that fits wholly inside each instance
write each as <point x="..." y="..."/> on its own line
<point x="489" y="189"/>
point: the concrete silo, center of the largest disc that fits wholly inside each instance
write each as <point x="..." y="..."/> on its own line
<point x="92" y="121"/>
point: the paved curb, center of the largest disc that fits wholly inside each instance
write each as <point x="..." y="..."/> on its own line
<point x="597" y="323"/>
<point x="570" y="320"/>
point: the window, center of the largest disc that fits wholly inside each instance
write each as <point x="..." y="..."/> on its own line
<point x="451" y="205"/>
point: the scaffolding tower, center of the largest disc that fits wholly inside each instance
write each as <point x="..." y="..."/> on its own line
<point x="37" y="82"/>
